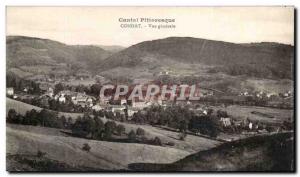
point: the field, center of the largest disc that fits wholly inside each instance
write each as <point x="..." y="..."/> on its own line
<point x="242" y="112"/>
<point x="20" y="73"/>
<point x="273" y="152"/>
<point x="85" y="82"/>
<point x="58" y="146"/>
<point x="191" y="144"/>
<point x="107" y="155"/>
<point x="21" y="108"/>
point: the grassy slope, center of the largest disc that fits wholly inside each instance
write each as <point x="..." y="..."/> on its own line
<point x="280" y="115"/>
<point x="33" y="163"/>
<point x="216" y="53"/>
<point x="104" y="155"/>
<point x="21" y="108"/>
<point x="28" y="51"/>
<point x="261" y="153"/>
<point x="191" y="144"/>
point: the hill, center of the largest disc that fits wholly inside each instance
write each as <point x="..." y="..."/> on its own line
<point x="191" y="144"/>
<point x="68" y="150"/>
<point x="22" y="108"/>
<point x="112" y="48"/>
<point x="260" y="153"/>
<point x="24" y="52"/>
<point x="266" y="60"/>
<point x="263" y="60"/>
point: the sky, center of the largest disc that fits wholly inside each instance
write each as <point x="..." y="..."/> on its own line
<point x="101" y="26"/>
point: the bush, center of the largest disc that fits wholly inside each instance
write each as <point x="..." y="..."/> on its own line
<point x="157" y="141"/>
<point x="109" y="129"/>
<point x="170" y="143"/>
<point x="40" y="154"/>
<point x="182" y="136"/>
<point x="120" y="129"/>
<point x="13" y="117"/>
<point x="132" y="136"/>
<point x="86" y="147"/>
<point x="221" y="113"/>
<point x="140" y="132"/>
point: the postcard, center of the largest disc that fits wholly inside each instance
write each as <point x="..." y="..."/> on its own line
<point x="150" y="89"/>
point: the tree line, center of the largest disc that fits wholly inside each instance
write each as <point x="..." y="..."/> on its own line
<point x="87" y="126"/>
<point x="180" y="118"/>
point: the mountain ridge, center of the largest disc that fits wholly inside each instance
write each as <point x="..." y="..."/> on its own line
<point x="265" y="59"/>
<point x="277" y="57"/>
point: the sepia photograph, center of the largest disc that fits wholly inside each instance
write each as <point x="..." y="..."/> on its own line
<point x="150" y="89"/>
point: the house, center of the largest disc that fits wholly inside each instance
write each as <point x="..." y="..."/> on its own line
<point x="97" y="107"/>
<point x="10" y="91"/>
<point x="120" y="112"/>
<point x="238" y="123"/>
<point x="82" y="75"/>
<point x="258" y="95"/>
<point x="269" y="95"/>
<point x="139" y="104"/>
<point x="76" y="98"/>
<point x="226" y="121"/>
<point x="25" y="89"/>
<point x="62" y="99"/>
<point x="250" y="125"/>
<point x="82" y="100"/>
<point x="45" y="86"/>
<point x="163" y="72"/>
<point x="100" y="79"/>
<point x="199" y="111"/>
<point x="103" y="100"/>
<point x="50" y="92"/>
<point x="117" y="108"/>
<point x="89" y="101"/>
<point x="286" y="94"/>
<point x="131" y="111"/>
<point x="123" y="101"/>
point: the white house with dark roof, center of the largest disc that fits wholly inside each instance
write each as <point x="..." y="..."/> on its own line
<point x="10" y="91"/>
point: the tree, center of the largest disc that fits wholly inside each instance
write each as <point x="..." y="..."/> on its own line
<point x="110" y="126"/>
<point x="140" y="132"/>
<point x="69" y="123"/>
<point x="210" y="111"/>
<point x="221" y="113"/>
<point x="109" y="114"/>
<point x="48" y="118"/>
<point x="12" y="116"/>
<point x="157" y="141"/>
<point x="88" y="125"/>
<point x="207" y="125"/>
<point x="95" y="89"/>
<point x="182" y="136"/>
<point x="32" y="118"/>
<point x="78" y="129"/>
<point x="40" y="154"/>
<point x="98" y="133"/>
<point x="63" y="122"/>
<point x="131" y="136"/>
<point x="86" y="147"/>
<point x="58" y="87"/>
<point x="120" y="129"/>
<point x="183" y="125"/>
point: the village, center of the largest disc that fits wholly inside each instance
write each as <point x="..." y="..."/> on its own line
<point x="56" y="96"/>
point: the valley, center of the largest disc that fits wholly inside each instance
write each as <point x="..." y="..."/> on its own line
<point x="56" y="119"/>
